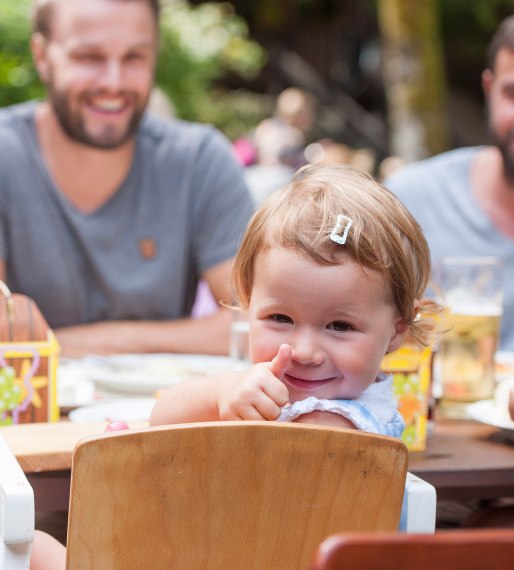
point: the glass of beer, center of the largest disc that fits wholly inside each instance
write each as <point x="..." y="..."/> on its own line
<point x="473" y="293"/>
<point x="239" y="336"/>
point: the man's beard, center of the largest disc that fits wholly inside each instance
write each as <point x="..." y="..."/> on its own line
<point x="506" y="147"/>
<point x="505" y="144"/>
<point x="72" y="124"/>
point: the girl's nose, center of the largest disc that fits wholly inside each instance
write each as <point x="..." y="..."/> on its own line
<point x="307" y="348"/>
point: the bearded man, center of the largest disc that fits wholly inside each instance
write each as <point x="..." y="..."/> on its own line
<point x="109" y="217"/>
<point x="464" y="198"/>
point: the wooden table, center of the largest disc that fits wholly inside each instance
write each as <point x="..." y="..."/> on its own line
<point x="463" y="460"/>
<point x="467" y="460"/>
<point x="44" y="452"/>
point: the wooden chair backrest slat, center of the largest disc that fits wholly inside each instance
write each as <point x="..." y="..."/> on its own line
<point x="466" y="549"/>
<point x="228" y="495"/>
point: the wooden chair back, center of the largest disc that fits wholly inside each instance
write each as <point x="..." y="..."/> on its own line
<point x="458" y="549"/>
<point x="227" y="495"/>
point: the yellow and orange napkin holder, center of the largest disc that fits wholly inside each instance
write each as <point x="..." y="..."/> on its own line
<point x="411" y="368"/>
<point x="29" y="357"/>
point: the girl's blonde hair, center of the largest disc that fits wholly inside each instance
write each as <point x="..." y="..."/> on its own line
<point x="384" y="236"/>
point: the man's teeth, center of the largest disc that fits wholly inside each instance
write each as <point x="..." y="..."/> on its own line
<point x="108" y="104"/>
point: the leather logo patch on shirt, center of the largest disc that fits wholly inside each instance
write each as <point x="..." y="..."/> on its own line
<point x="147" y="248"/>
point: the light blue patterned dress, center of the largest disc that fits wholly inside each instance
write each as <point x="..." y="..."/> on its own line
<point x="374" y="411"/>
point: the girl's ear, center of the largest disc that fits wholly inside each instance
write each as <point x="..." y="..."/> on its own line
<point x="38" y="45"/>
<point x="401" y="328"/>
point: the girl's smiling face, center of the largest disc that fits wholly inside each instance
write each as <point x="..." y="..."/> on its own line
<point x="340" y="320"/>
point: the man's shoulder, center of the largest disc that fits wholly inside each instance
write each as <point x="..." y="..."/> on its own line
<point x="184" y="146"/>
<point x="11" y="115"/>
<point x="451" y="159"/>
<point x="451" y="167"/>
<point x="15" y="130"/>
<point x="159" y="130"/>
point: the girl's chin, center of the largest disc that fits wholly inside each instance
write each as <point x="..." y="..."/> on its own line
<point x="297" y="395"/>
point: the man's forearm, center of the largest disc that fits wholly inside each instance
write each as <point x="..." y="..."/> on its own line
<point x="209" y="335"/>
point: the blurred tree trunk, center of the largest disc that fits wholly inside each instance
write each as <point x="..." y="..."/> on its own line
<point x="414" y="77"/>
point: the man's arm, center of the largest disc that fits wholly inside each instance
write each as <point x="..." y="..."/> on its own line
<point x="208" y="335"/>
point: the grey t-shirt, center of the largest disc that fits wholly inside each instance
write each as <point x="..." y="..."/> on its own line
<point x="437" y="191"/>
<point x="181" y="210"/>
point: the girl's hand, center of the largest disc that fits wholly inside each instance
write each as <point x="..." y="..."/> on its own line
<point x="257" y="394"/>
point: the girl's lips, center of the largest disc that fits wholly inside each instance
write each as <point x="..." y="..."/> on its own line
<point x="306" y="384"/>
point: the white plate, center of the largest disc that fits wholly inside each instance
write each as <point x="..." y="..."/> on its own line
<point x="504" y="364"/>
<point x="73" y="386"/>
<point x="127" y="410"/>
<point x="147" y="373"/>
<point x="486" y="412"/>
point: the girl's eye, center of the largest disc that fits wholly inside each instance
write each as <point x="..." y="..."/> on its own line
<point x="278" y="318"/>
<point x="340" y="326"/>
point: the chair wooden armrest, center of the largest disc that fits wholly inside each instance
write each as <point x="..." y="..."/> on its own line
<point x="16" y="512"/>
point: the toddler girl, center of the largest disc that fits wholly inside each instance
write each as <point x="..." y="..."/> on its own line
<point x="331" y="270"/>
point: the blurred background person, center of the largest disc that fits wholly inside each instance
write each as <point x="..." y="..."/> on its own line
<point x="464" y="198"/>
<point x="278" y="143"/>
<point x="389" y="165"/>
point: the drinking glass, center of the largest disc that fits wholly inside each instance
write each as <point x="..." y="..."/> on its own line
<point x="239" y="336"/>
<point x="473" y="293"/>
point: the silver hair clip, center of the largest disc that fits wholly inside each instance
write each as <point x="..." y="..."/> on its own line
<point x="341" y="229"/>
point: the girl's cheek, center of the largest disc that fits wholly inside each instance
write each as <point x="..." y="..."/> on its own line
<point x="263" y="349"/>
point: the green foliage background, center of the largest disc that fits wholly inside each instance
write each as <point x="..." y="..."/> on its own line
<point x="18" y="79"/>
<point x="205" y="43"/>
<point x="466" y="29"/>
<point x="199" y="46"/>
